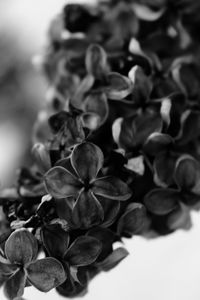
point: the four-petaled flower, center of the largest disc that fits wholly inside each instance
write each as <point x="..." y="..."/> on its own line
<point x="21" y="267"/>
<point x="77" y="177"/>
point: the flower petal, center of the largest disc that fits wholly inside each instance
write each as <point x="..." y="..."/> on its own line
<point x="14" y="287"/>
<point x="142" y="85"/>
<point x="96" y="103"/>
<point x="111" y="210"/>
<point x="87" y="211"/>
<point x="133" y="220"/>
<point x="143" y="12"/>
<point x="87" y="159"/>
<point x="162" y="201"/>
<point x="164" y="165"/>
<point x="66" y="164"/>
<point x="70" y="125"/>
<point x="118" y="86"/>
<point x="157" y="142"/>
<point x="180" y="218"/>
<point x="189" y="120"/>
<point x="106" y="237"/>
<point x="96" y="61"/>
<point x="55" y="240"/>
<point x="83" y="251"/>
<point x="91" y="120"/>
<point x="187" y="174"/>
<point x="60" y="183"/>
<point x="21" y="247"/>
<point x="46" y="274"/>
<point x="7" y="269"/>
<point x="135" y="130"/>
<point x="112" y="188"/>
<point x="113" y="259"/>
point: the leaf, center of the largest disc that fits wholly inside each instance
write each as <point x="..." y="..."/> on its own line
<point x="55" y="240"/>
<point x="96" y="61"/>
<point x="14" y="286"/>
<point x="87" y="159"/>
<point x="83" y="251"/>
<point x="162" y="201"/>
<point x="21" y="247"/>
<point x="113" y="259"/>
<point x="133" y="220"/>
<point x="187" y="174"/>
<point x="87" y="211"/>
<point x="111" y="188"/>
<point x="46" y="274"/>
<point x="60" y="183"/>
<point x="118" y="86"/>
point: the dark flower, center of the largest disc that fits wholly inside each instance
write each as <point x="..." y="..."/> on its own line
<point x="77" y="177"/>
<point x="21" y="250"/>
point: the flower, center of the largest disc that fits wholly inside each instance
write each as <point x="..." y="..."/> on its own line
<point x="22" y="267"/>
<point x="77" y="177"/>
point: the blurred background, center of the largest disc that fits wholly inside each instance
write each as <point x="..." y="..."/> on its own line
<point x="167" y="268"/>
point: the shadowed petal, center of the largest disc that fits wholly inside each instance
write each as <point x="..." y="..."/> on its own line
<point x="96" y="61"/>
<point x="87" y="211"/>
<point x="55" y="240"/>
<point x="83" y="251"/>
<point x="46" y="274"/>
<point x="119" y="86"/>
<point x="113" y="259"/>
<point x="87" y="160"/>
<point x="7" y="269"/>
<point x="111" y="210"/>
<point x="60" y="183"/>
<point x="132" y="221"/>
<point x="96" y="104"/>
<point x="21" y="247"/>
<point x="91" y="120"/>
<point x="14" y="287"/>
<point x="162" y="201"/>
<point x="106" y="237"/>
<point x="187" y="174"/>
<point x="112" y="188"/>
<point x="135" y="130"/>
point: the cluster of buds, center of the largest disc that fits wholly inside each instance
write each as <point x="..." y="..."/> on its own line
<point x="117" y="146"/>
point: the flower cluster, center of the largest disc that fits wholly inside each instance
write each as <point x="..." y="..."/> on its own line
<point x="117" y="146"/>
